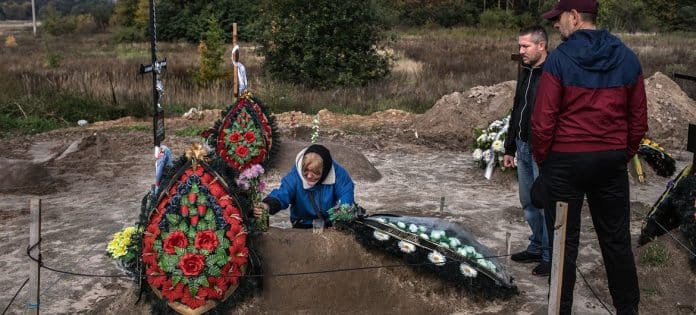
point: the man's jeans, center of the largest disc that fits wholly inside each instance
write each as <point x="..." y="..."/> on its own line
<point x="527" y="171"/>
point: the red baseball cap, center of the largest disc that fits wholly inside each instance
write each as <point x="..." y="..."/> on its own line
<point x="583" y="6"/>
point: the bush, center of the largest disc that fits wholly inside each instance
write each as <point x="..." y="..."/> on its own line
<point x="686" y="18"/>
<point x="497" y="18"/>
<point x="128" y="34"/>
<point x="325" y="44"/>
<point x="55" y="24"/>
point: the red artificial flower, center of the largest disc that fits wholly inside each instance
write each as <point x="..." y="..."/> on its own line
<point x="163" y="203"/>
<point x="230" y="213"/>
<point x="192" y="197"/>
<point x="249" y="136"/>
<point x="201" y="210"/>
<point x="175" y="239"/>
<point x="173" y="293"/>
<point x="241" y="151"/>
<point x="217" y="190"/>
<point x="149" y="258"/>
<point x="207" y="178"/>
<point x="148" y="240"/>
<point x="153" y="228"/>
<point x="194" y="220"/>
<point x="198" y="171"/>
<point x="238" y="244"/>
<point x="187" y="173"/>
<point x="193" y="302"/>
<point x="241" y="257"/>
<point x="184" y="211"/>
<point x="233" y="231"/>
<point x="206" y="240"/>
<point x="235" y="137"/>
<point x="191" y="264"/>
<point x="225" y="202"/>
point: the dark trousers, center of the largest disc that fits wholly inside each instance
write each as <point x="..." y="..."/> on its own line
<point x="603" y="178"/>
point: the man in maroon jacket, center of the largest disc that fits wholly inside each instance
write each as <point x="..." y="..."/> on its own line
<point x="589" y="117"/>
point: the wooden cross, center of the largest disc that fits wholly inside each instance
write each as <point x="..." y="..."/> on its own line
<point x="691" y="146"/>
<point x="235" y="59"/>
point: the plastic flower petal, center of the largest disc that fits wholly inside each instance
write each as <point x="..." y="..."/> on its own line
<point x="407" y="247"/>
<point x="467" y="270"/>
<point x="380" y="236"/>
<point x="436" y="258"/>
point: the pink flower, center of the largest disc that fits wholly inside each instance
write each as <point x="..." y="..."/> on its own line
<point x="262" y="186"/>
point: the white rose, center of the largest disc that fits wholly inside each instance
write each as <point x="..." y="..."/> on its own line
<point x="478" y="154"/>
<point x="498" y="146"/>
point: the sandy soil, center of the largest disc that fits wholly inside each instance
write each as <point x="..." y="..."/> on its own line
<point x="91" y="181"/>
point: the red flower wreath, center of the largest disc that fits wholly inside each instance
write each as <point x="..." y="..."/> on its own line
<point x="243" y="141"/>
<point x="194" y="246"/>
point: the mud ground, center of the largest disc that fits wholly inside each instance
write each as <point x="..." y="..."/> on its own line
<point x="91" y="180"/>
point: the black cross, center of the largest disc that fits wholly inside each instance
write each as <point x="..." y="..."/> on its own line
<point x="691" y="145"/>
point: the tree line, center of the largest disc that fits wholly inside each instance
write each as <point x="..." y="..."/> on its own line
<point x="320" y="43"/>
<point x="188" y="18"/>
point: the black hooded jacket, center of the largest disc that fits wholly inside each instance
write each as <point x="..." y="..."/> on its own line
<point x="522" y="107"/>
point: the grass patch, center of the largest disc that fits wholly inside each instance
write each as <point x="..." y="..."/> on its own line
<point x="654" y="255"/>
<point x="190" y="131"/>
<point x="12" y="125"/>
<point x="140" y="127"/>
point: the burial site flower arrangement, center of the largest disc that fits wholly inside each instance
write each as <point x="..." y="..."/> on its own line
<point x="245" y="136"/>
<point x="489" y="143"/>
<point x="124" y="246"/>
<point x="194" y="245"/>
<point x="437" y="247"/>
<point x="657" y="157"/>
<point x="250" y="181"/>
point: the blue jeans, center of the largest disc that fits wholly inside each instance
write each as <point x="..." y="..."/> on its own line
<point x="527" y="171"/>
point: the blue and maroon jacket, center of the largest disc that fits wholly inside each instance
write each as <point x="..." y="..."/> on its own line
<point x="591" y="97"/>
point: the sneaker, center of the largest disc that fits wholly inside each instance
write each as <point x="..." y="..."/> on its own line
<point x="525" y="257"/>
<point x="543" y="269"/>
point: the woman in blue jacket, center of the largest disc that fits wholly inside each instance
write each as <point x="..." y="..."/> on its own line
<point x="314" y="185"/>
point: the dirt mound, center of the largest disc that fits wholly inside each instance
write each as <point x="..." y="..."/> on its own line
<point x="25" y="176"/>
<point x="670" y="111"/>
<point x="453" y="117"/>
<point x="355" y="162"/>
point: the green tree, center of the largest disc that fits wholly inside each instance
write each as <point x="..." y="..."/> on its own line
<point x="685" y="19"/>
<point x="323" y="43"/>
<point x="187" y="20"/>
<point x="625" y="15"/>
<point x="142" y="15"/>
<point x="55" y="24"/>
<point x="211" y="51"/>
<point x="124" y="12"/>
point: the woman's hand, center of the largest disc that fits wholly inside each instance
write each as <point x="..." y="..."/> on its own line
<point x="259" y="208"/>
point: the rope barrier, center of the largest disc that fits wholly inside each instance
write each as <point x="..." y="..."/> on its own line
<point x="590" y="287"/>
<point x="15" y="296"/>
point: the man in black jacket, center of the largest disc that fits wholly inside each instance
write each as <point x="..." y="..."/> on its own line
<point x="532" y="42"/>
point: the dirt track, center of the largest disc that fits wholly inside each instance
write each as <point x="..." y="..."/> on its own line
<point x="94" y="190"/>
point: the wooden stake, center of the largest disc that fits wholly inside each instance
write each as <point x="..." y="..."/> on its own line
<point x="34" y="268"/>
<point x="508" y="245"/>
<point x="235" y="59"/>
<point x="559" y="238"/>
